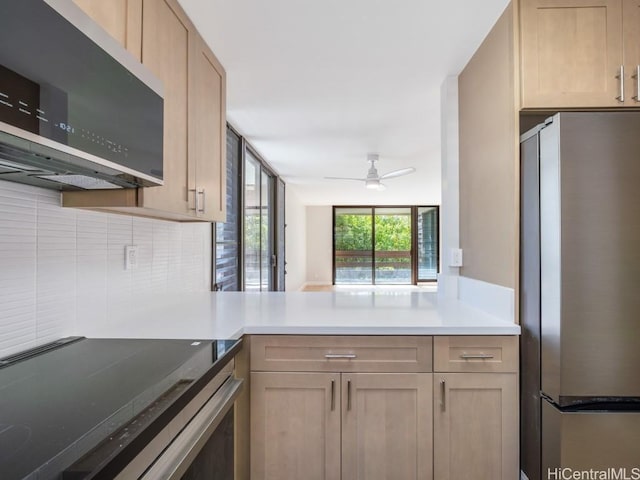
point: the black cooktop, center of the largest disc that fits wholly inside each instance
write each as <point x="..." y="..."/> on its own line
<point x="56" y="406"/>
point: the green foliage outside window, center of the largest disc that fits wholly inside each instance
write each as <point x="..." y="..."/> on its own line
<point x="393" y="232"/>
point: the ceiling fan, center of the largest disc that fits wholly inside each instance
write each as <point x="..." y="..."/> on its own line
<point x="373" y="180"/>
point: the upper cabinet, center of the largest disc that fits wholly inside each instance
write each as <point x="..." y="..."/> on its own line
<point x="122" y="19"/>
<point x="207" y="133"/>
<point x="579" y="53"/>
<point x="194" y="113"/>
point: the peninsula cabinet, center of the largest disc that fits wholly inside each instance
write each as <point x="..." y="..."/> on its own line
<point x="341" y="424"/>
<point x="475" y="414"/>
<point x="370" y="408"/>
<point x="194" y="114"/>
<point x="580" y="53"/>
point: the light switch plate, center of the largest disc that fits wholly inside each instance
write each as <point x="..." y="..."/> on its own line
<point x="455" y="259"/>
<point x="130" y="257"/>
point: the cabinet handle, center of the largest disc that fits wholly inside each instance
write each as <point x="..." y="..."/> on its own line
<point x="475" y="355"/>
<point x="333" y="395"/>
<point x="340" y="355"/>
<point x="348" y="394"/>
<point x="443" y="395"/>
<point x="620" y="97"/>
<point x="196" y="208"/>
<point x="636" y="97"/>
<point x="204" y="201"/>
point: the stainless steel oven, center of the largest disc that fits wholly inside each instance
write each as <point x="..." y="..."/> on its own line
<point x="198" y="443"/>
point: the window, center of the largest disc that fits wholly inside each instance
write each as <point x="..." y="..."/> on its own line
<point x="249" y="246"/>
<point x="385" y="245"/>
<point x="227" y="234"/>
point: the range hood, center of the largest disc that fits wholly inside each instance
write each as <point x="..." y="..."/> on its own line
<point x="77" y="111"/>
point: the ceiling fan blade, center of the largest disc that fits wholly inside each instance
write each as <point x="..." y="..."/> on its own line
<point x="398" y="173"/>
<point x="345" y="178"/>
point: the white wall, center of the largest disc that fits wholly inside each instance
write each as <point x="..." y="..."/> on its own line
<point x="319" y="245"/>
<point x="491" y="298"/>
<point x="61" y="268"/>
<point x="296" y="241"/>
<point x="450" y="203"/>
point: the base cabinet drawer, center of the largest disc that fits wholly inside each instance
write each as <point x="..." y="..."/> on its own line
<point x="299" y="353"/>
<point x="475" y="353"/>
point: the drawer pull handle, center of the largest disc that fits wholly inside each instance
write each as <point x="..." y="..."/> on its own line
<point x="340" y="355"/>
<point x="475" y="355"/>
<point x="443" y="395"/>
<point x="348" y="394"/>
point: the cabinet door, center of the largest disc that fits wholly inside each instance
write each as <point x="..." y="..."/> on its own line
<point x="165" y="51"/>
<point x="122" y="19"/>
<point x="295" y="426"/>
<point x="207" y="132"/>
<point x="475" y="426"/>
<point x="631" y="31"/>
<point x="387" y="426"/>
<point x="571" y="53"/>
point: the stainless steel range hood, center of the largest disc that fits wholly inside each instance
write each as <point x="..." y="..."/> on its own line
<point x="77" y="111"/>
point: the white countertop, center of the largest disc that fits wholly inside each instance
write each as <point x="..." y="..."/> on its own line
<point x="232" y="314"/>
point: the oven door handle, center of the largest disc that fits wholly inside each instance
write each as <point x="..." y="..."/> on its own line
<point x="179" y="455"/>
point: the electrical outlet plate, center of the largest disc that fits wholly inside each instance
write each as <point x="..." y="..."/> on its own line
<point x="130" y="257"/>
<point x="456" y="257"/>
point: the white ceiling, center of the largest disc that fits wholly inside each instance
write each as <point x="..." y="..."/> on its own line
<point x="316" y="85"/>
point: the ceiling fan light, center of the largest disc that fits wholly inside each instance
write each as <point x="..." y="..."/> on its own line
<point x="372" y="184"/>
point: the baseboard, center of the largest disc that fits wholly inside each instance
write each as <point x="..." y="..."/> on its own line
<point x="491" y="298"/>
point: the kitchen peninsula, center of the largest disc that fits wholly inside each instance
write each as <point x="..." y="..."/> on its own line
<point x="232" y="314"/>
<point x="432" y="380"/>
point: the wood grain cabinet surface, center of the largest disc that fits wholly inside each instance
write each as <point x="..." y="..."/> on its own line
<point x="475" y="353"/>
<point x="387" y="426"/>
<point x="295" y="426"/>
<point x="328" y="418"/>
<point x="160" y="34"/>
<point x="475" y="426"/>
<point x="334" y="353"/>
<point x="579" y="53"/>
<point x="122" y="19"/>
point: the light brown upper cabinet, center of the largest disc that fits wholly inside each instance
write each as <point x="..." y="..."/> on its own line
<point x="194" y="115"/>
<point x="122" y="19"/>
<point x="579" y="53"/>
<point x="207" y="133"/>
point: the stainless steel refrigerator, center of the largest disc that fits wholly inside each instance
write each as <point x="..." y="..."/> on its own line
<point x="580" y="295"/>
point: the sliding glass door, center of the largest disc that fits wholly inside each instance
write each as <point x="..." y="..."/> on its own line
<point x="392" y="234"/>
<point x="385" y="245"/>
<point x="353" y="245"/>
<point x="427" y="223"/>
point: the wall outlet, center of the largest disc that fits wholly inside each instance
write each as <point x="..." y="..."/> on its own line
<point x="130" y="257"/>
<point x="455" y="259"/>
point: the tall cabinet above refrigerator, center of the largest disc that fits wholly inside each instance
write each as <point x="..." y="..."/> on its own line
<point x="580" y="294"/>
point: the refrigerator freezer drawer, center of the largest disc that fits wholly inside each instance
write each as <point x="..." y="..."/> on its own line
<point x="589" y="440"/>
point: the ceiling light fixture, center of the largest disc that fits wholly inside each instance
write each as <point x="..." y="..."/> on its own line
<point x="373" y="179"/>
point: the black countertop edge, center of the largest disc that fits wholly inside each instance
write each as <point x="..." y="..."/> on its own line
<point x="109" y="469"/>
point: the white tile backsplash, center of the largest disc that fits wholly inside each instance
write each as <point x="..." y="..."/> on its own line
<point x="62" y="269"/>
